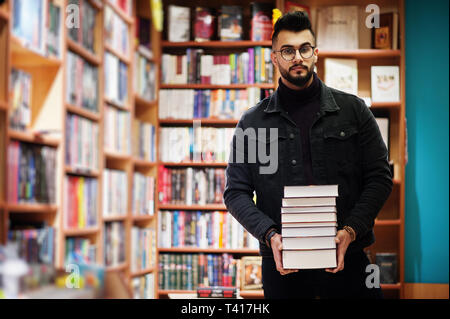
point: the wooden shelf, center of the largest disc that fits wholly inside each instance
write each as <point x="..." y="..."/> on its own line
<point x="251" y="293"/>
<point x="25" y="57"/>
<point x="31" y="208"/>
<point x="82" y="172"/>
<point x="139" y="163"/>
<point x="116" y="105"/>
<point x="97" y="4"/>
<point x="217" y="44"/>
<point x="196" y="164"/>
<point x="117" y="156"/>
<point x="192" y="207"/>
<point x="114" y="218"/>
<point x="209" y="250"/>
<point x="217" y="86"/>
<point x="387" y="222"/>
<point x="142" y="218"/>
<point x="30" y="137"/>
<point x="391" y="286"/>
<point x="142" y="272"/>
<point x="121" y="56"/>
<point x="84" y="53"/>
<point x="4" y="15"/>
<point x="386" y="105"/>
<point x="143" y="102"/>
<point x="83" y="112"/>
<point x="123" y="15"/>
<point x="73" y="232"/>
<point x="204" y="121"/>
<point x="3" y="106"/>
<point x="360" y="53"/>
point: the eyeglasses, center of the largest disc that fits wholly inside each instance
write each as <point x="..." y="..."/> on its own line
<point x="289" y="53"/>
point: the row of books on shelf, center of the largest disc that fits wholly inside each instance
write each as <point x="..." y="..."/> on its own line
<point x="143" y="201"/>
<point x="31" y="173"/>
<point x="116" y="79"/>
<point x="80" y="250"/>
<point x="145" y="77"/>
<point x="20" y="97"/>
<point x="196" y="67"/>
<point x="37" y="25"/>
<point x="225" y="24"/>
<point x="342" y="74"/>
<point x="144" y="137"/>
<point x="220" y="103"/>
<point x="144" y="287"/>
<point x="84" y="35"/>
<point x="114" y="244"/>
<point x="184" y="144"/>
<point x="217" y="229"/>
<point x="82" y="145"/>
<point x="143" y="249"/>
<point x="117" y="130"/>
<point x="116" y="32"/>
<point x="34" y="245"/>
<point x="80" y="202"/>
<point x="189" y="271"/>
<point x="115" y="193"/>
<point x="191" y="185"/>
<point x="82" y="83"/>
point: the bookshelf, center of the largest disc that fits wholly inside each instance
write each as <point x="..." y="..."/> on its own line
<point x="50" y="110"/>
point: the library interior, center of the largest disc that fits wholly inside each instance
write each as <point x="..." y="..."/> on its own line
<point x="116" y="124"/>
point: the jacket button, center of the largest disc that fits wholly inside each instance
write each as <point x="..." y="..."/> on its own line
<point x="342" y="133"/>
<point x="294" y="162"/>
<point x="291" y="136"/>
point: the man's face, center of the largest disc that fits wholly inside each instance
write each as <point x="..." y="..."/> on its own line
<point x="298" y="71"/>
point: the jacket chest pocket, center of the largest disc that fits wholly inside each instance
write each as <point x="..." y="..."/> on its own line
<point x="341" y="145"/>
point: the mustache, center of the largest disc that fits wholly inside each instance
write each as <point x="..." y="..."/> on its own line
<point x="299" y="65"/>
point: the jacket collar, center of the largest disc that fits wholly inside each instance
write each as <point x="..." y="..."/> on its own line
<point x="327" y="101"/>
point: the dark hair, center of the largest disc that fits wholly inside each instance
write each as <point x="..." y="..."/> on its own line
<point x="292" y="21"/>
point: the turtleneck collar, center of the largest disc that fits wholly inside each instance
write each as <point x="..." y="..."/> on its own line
<point x="289" y="96"/>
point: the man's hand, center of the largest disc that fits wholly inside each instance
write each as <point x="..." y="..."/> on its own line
<point x="343" y="239"/>
<point x="277" y="247"/>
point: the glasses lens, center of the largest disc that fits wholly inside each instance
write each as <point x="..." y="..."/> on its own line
<point x="306" y="52"/>
<point x="288" y="54"/>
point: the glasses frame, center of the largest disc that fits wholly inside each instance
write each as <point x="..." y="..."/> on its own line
<point x="306" y="45"/>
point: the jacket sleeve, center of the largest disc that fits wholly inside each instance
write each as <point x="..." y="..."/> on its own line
<point x="376" y="175"/>
<point x="238" y="194"/>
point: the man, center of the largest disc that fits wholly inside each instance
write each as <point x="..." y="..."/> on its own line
<point x="325" y="137"/>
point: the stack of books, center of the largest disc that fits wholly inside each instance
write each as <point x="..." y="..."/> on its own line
<point x="308" y="221"/>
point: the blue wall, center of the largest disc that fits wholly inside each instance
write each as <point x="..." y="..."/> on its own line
<point x="427" y="113"/>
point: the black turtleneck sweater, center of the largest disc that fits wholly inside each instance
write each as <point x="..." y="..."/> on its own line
<point x="303" y="106"/>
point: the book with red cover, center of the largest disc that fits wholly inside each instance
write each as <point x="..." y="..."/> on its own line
<point x="261" y="25"/>
<point x="204" y="24"/>
<point x="217" y="292"/>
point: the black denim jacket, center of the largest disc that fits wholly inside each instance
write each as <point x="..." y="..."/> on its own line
<point x="346" y="149"/>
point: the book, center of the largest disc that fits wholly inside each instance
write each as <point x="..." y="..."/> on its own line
<point x="337" y="28"/>
<point x="385" y="83"/>
<point x="28" y="24"/>
<point x="307" y="217"/>
<point x="116" y="32"/>
<point x="230" y="23"/>
<point x="204" y="24"/>
<point x="319" y="242"/>
<point x="261" y="23"/>
<point x="386" y="35"/>
<point x="216" y="292"/>
<point x="179" y="23"/>
<point x="20" y="97"/>
<point x="308" y="231"/>
<point x="309" y="259"/>
<point x="309" y="201"/>
<point x="311" y="191"/>
<point x="388" y="267"/>
<point x="383" y="125"/>
<point x="309" y="224"/>
<point x="311" y="209"/>
<point x="342" y="74"/>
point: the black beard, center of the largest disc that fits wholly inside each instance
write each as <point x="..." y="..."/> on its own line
<point x="300" y="80"/>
